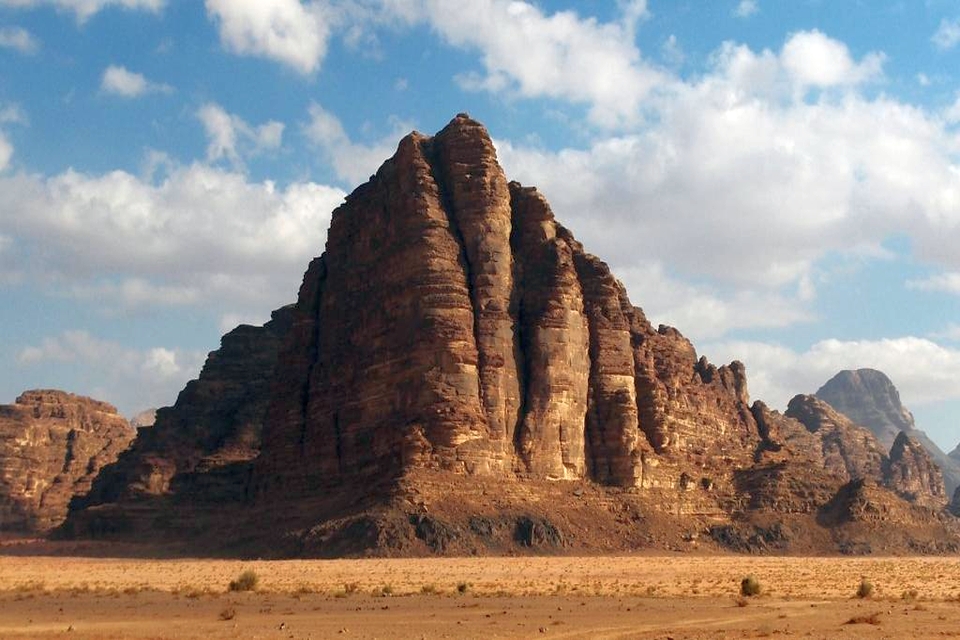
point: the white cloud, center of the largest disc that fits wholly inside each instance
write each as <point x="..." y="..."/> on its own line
<point x="19" y="39"/>
<point x="288" y="31"/>
<point x="353" y="162"/>
<point x="6" y="152"/>
<point x="85" y="9"/>
<point x="118" y="80"/>
<point x="231" y="138"/>
<point x="671" y="51"/>
<point x="923" y="371"/>
<point x="132" y="378"/>
<point x="814" y="59"/>
<point x="746" y="8"/>
<point x="941" y="282"/>
<point x="744" y="186"/>
<point x="560" y="55"/>
<point x="947" y="34"/>
<point x="202" y="237"/>
<point x="13" y="114"/>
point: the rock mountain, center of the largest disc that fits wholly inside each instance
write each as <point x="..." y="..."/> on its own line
<point x="869" y="398"/>
<point x="458" y="375"/>
<point x="52" y="445"/>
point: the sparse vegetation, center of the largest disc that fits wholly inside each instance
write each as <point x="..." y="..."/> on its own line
<point x="909" y="595"/>
<point x="429" y="589"/>
<point x="750" y="587"/>
<point x="865" y="590"/>
<point x="872" y="618"/>
<point x="463" y="587"/>
<point x="228" y="614"/>
<point x="246" y="581"/>
<point x="386" y="590"/>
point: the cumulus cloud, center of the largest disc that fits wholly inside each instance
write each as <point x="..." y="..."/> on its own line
<point x="746" y="8"/>
<point x="941" y="282"/>
<point x="200" y="237"/>
<point x="132" y="378"/>
<point x="745" y="185"/>
<point x="19" y="39"/>
<point x="288" y="31"/>
<point x="923" y="371"/>
<point x="6" y="152"/>
<point x="561" y="55"/>
<point x="118" y="80"/>
<point x="947" y="34"/>
<point x="814" y="59"/>
<point x="353" y="162"/>
<point x="231" y="138"/>
<point x="85" y="9"/>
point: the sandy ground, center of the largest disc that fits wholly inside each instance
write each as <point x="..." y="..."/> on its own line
<point x="603" y="597"/>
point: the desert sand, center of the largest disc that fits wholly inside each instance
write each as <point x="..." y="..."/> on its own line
<point x="519" y="597"/>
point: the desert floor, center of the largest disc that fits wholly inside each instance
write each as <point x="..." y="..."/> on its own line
<point x="519" y="597"/>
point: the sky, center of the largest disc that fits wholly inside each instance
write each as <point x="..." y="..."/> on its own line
<point x="780" y="180"/>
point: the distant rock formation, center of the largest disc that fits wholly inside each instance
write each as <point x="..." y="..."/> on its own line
<point x="145" y="418"/>
<point x="52" y="445"/>
<point x="458" y="375"/>
<point x="870" y="399"/>
<point x="911" y="472"/>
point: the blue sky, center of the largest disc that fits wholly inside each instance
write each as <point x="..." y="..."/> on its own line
<point x="779" y="180"/>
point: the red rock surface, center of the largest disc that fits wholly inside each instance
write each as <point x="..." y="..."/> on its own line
<point x="52" y="444"/>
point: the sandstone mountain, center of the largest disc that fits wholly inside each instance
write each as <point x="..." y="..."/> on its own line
<point x="52" y="444"/>
<point x="458" y="375"/>
<point x="870" y="399"/>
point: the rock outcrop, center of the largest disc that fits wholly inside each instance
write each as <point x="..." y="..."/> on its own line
<point x="198" y="452"/>
<point x="496" y="345"/>
<point x="870" y="399"/>
<point x="52" y="445"/>
<point x="911" y="472"/>
<point x="145" y="418"/>
<point x="458" y="375"/>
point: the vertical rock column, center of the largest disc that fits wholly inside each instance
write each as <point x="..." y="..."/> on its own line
<point x="555" y="342"/>
<point x="477" y="198"/>
<point x="612" y="422"/>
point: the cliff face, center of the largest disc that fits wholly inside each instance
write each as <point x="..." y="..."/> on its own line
<point x="52" y="445"/>
<point x="495" y="345"/>
<point x="198" y="452"/>
<point x="459" y="376"/>
<point x="911" y="472"/>
<point x="870" y="399"/>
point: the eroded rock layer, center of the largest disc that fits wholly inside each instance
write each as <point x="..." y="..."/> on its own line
<point x="52" y="445"/>
<point x="453" y="324"/>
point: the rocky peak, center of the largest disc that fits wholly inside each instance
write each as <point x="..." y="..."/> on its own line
<point x="868" y="397"/>
<point x="52" y="445"/>
<point x="911" y="472"/>
<point x="848" y="449"/>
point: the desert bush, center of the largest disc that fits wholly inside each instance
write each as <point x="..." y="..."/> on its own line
<point x="246" y="581"/>
<point x="463" y="587"/>
<point x="429" y="588"/>
<point x="750" y="586"/>
<point x="228" y="614"/>
<point x="909" y="595"/>
<point x="872" y="618"/>
<point x="386" y="590"/>
<point x="865" y="590"/>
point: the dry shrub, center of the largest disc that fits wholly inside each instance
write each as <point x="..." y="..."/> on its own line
<point x="246" y="581"/>
<point x="865" y="590"/>
<point x="228" y="614"/>
<point x="872" y="618"/>
<point x="750" y="586"/>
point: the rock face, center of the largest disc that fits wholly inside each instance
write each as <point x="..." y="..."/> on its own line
<point x="912" y="473"/>
<point x="496" y="344"/>
<point x="458" y="375"/>
<point x="145" y="418"/>
<point x="199" y="451"/>
<point x="52" y="444"/>
<point x="870" y="399"/>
